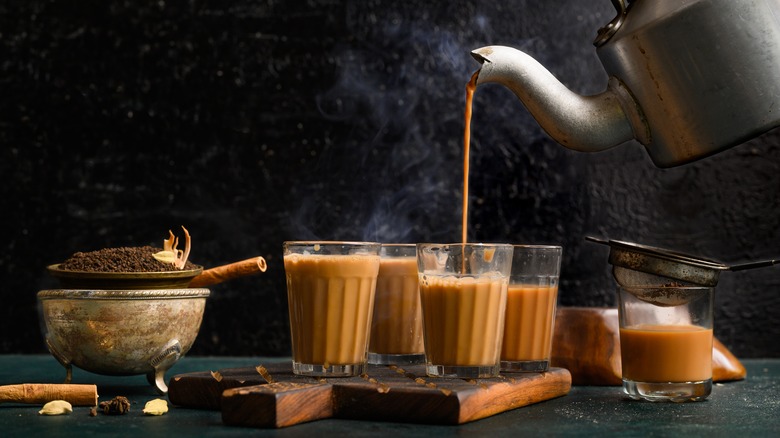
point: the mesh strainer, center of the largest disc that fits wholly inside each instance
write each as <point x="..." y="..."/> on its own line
<point x="660" y="275"/>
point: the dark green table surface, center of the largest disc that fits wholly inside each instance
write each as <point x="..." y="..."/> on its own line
<point x="745" y="408"/>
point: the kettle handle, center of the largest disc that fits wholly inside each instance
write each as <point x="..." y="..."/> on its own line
<point x="606" y="32"/>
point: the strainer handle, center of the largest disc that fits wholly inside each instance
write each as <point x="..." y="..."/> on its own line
<point x="751" y="265"/>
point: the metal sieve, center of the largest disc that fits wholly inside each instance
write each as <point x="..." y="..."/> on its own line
<point x="661" y="275"/>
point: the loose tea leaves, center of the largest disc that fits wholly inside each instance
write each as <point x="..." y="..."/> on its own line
<point x="123" y="259"/>
<point x="132" y="259"/>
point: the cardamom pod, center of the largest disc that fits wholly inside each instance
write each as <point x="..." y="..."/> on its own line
<point x="56" y="407"/>
<point x="157" y="406"/>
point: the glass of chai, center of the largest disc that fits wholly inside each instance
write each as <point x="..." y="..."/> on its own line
<point x="463" y="290"/>
<point x="530" y="308"/>
<point x="396" y="327"/>
<point x="666" y="342"/>
<point x="330" y="293"/>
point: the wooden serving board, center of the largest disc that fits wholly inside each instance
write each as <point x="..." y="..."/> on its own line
<point x="271" y="396"/>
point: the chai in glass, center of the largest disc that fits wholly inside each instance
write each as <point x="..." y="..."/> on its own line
<point x="463" y="293"/>
<point x="530" y="309"/>
<point x="396" y="326"/>
<point x="666" y="342"/>
<point x="330" y="292"/>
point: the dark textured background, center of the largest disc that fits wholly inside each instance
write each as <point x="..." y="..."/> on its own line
<point x="253" y="122"/>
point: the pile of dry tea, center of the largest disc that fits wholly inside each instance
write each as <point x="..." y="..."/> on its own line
<point x="123" y="259"/>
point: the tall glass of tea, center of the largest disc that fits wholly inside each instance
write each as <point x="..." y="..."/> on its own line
<point x="330" y="293"/>
<point x="666" y="342"/>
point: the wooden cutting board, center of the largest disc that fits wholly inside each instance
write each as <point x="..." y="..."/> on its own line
<point x="271" y="396"/>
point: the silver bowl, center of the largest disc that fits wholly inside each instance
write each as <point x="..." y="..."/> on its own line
<point x="122" y="332"/>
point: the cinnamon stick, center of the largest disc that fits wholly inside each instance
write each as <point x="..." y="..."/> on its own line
<point x="42" y="393"/>
<point x="231" y="271"/>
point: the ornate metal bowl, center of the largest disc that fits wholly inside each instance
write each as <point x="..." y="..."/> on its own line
<point x="122" y="332"/>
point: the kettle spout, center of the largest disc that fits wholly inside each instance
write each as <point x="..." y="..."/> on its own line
<point x="582" y="123"/>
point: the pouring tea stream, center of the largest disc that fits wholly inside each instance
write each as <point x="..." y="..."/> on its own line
<point x="687" y="79"/>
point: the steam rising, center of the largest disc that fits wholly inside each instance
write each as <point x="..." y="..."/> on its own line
<point x="395" y="166"/>
<point x="401" y="185"/>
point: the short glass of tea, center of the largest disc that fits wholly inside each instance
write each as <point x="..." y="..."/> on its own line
<point x="666" y="342"/>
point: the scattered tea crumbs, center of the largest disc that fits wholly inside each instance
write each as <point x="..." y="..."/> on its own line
<point x="122" y="259"/>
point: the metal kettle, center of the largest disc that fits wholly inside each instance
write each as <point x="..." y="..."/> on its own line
<point x="687" y="79"/>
